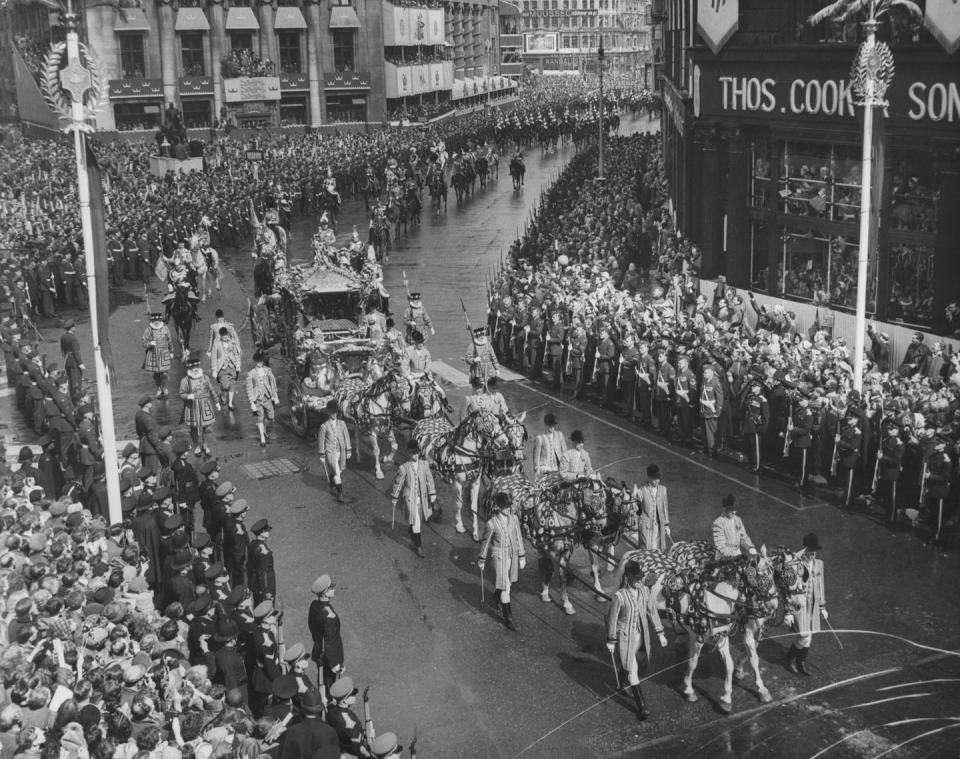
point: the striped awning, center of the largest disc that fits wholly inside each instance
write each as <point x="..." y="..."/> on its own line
<point x="343" y="17"/>
<point x="289" y="17"/>
<point x="241" y="20"/>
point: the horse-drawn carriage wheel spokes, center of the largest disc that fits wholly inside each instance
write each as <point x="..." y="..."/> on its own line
<point x="299" y="414"/>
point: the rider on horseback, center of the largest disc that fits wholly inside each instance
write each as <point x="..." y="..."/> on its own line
<point x="330" y="186"/>
<point x="181" y="279"/>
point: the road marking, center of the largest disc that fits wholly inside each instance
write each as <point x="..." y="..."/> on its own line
<point x="670" y="450"/>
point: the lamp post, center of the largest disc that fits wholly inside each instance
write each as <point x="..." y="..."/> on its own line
<point x="600" y="127"/>
<point x="76" y="93"/>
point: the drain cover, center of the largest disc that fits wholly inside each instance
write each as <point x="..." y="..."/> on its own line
<point x="263" y="470"/>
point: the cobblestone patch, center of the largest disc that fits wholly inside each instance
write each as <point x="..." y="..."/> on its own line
<point x="264" y="470"/>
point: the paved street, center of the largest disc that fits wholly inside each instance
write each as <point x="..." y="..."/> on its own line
<point x="438" y="660"/>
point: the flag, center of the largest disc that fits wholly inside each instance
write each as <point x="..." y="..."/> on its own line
<point x="101" y="274"/>
<point x="717" y="20"/>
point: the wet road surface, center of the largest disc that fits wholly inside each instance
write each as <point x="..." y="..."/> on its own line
<point x="438" y="659"/>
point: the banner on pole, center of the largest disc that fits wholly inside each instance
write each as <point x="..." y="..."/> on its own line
<point x="717" y="20"/>
<point x="943" y="21"/>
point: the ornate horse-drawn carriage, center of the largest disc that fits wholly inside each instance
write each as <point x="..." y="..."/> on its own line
<point x="315" y="316"/>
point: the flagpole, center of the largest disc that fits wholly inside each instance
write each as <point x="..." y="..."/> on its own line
<point x="104" y="395"/>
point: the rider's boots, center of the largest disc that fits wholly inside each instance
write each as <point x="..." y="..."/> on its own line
<point x="802" y="661"/>
<point x="790" y="661"/>
<point x="642" y="711"/>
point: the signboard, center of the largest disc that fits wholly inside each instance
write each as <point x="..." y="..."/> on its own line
<point x="294" y="82"/>
<point x="196" y="85"/>
<point x="247" y="88"/>
<point x="921" y="95"/>
<point x="943" y="21"/>
<point x="347" y="80"/>
<point x="717" y="20"/>
<point x="254" y="155"/>
<point x="135" y="88"/>
<point x="540" y="43"/>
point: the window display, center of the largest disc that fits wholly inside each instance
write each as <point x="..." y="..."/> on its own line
<point x="820" y="180"/>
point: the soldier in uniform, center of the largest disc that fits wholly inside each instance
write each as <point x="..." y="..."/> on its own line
<point x="937" y="484"/>
<point x="261" y="577"/>
<point x="577" y="352"/>
<point x="666" y="377"/>
<point x="324" y="625"/>
<point x="554" y="347"/>
<point x="414" y="482"/>
<point x="686" y="387"/>
<point x="628" y="631"/>
<point x="158" y="349"/>
<point x="711" y="406"/>
<point x="200" y="404"/>
<point x="533" y="344"/>
<point x="480" y="358"/>
<point x="263" y="657"/>
<point x="606" y="355"/>
<point x="548" y="448"/>
<point x="262" y="394"/>
<point x="146" y="427"/>
<point x="230" y="671"/>
<point x="626" y="375"/>
<point x="334" y="447"/>
<point x="800" y="437"/>
<point x="417" y="319"/>
<point x="891" y="460"/>
<point x="72" y="361"/>
<point x="186" y="484"/>
<point x="91" y="451"/>
<point x="848" y="454"/>
<point x="341" y="718"/>
<point x="756" y="417"/>
<point x="235" y="543"/>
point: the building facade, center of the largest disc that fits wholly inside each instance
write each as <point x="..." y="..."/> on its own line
<point x="279" y="63"/>
<point x="562" y="36"/>
<point x="762" y="145"/>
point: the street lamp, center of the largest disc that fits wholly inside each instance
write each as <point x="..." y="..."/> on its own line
<point x="870" y="76"/>
<point x="600" y="67"/>
<point x="76" y="92"/>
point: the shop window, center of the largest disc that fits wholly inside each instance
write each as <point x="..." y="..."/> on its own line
<point x="289" y="46"/>
<point x="192" y="59"/>
<point x="293" y="111"/>
<point x="914" y="194"/>
<point x="760" y="180"/>
<point x="760" y="257"/>
<point x="131" y="116"/>
<point x="821" y="181"/>
<point x="823" y="269"/>
<point x="345" y="108"/>
<point x="197" y="113"/>
<point x="343" y="53"/>
<point x="911" y="284"/>
<point x="240" y="41"/>
<point x="132" y="58"/>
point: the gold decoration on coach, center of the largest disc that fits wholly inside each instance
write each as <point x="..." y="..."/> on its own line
<point x="74" y="82"/>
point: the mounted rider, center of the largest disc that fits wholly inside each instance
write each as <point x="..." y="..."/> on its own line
<point x="181" y="279"/>
<point x="729" y="536"/>
<point x="330" y="186"/>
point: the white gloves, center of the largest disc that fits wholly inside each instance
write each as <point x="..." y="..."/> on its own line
<point x="663" y="640"/>
<point x="611" y="647"/>
<point x="823" y="613"/>
<point x="523" y="563"/>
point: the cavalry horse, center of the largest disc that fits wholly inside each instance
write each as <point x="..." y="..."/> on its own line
<point x="184" y="316"/>
<point x="330" y="205"/>
<point x="565" y="515"/>
<point x="712" y="601"/>
<point x="517" y="170"/>
<point x="482" y="170"/>
<point x="375" y="409"/>
<point x="380" y="240"/>
<point x="371" y="190"/>
<point x="459" y="181"/>
<point x="462" y="455"/>
<point x="438" y="189"/>
<point x="428" y="401"/>
<point x="413" y="204"/>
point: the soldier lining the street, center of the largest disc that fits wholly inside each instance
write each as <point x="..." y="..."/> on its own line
<point x="503" y="542"/>
<point x="324" y="625"/>
<point x="628" y="630"/>
<point x="937" y="483"/>
<point x="340" y="716"/>
<point x="261" y="576"/>
<point x="72" y="361"/>
<point x="262" y="394"/>
<point x="200" y="404"/>
<point x="756" y="418"/>
<point x="334" y="447"/>
<point x="711" y="407"/>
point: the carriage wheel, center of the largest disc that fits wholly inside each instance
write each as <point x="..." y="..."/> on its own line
<point x="299" y="414"/>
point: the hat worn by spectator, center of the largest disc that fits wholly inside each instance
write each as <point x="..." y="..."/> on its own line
<point x="285" y="687"/>
<point x="226" y="631"/>
<point x="26" y="454"/>
<point x="181" y="560"/>
<point x="69" y="324"/>
<point x="312" y="702"/>
<point x="133" y="674"/>
<point x="144" y="501"/>
<point x="128" y="450"/>
<point x="322" y="584"/>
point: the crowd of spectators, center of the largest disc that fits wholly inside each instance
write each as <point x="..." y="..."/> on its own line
<point x="245" y="63"/>
<point x="606" y="259"/>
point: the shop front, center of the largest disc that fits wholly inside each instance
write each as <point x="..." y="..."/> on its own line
<point x="294" y="100"/>
<point x="196" y="101"/>
<point x="253" y="102"/>
<point x="346" y="96"/>
<point x="776" y="158"/>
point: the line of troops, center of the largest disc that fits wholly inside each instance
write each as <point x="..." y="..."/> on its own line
<point x="688" y="391"/>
